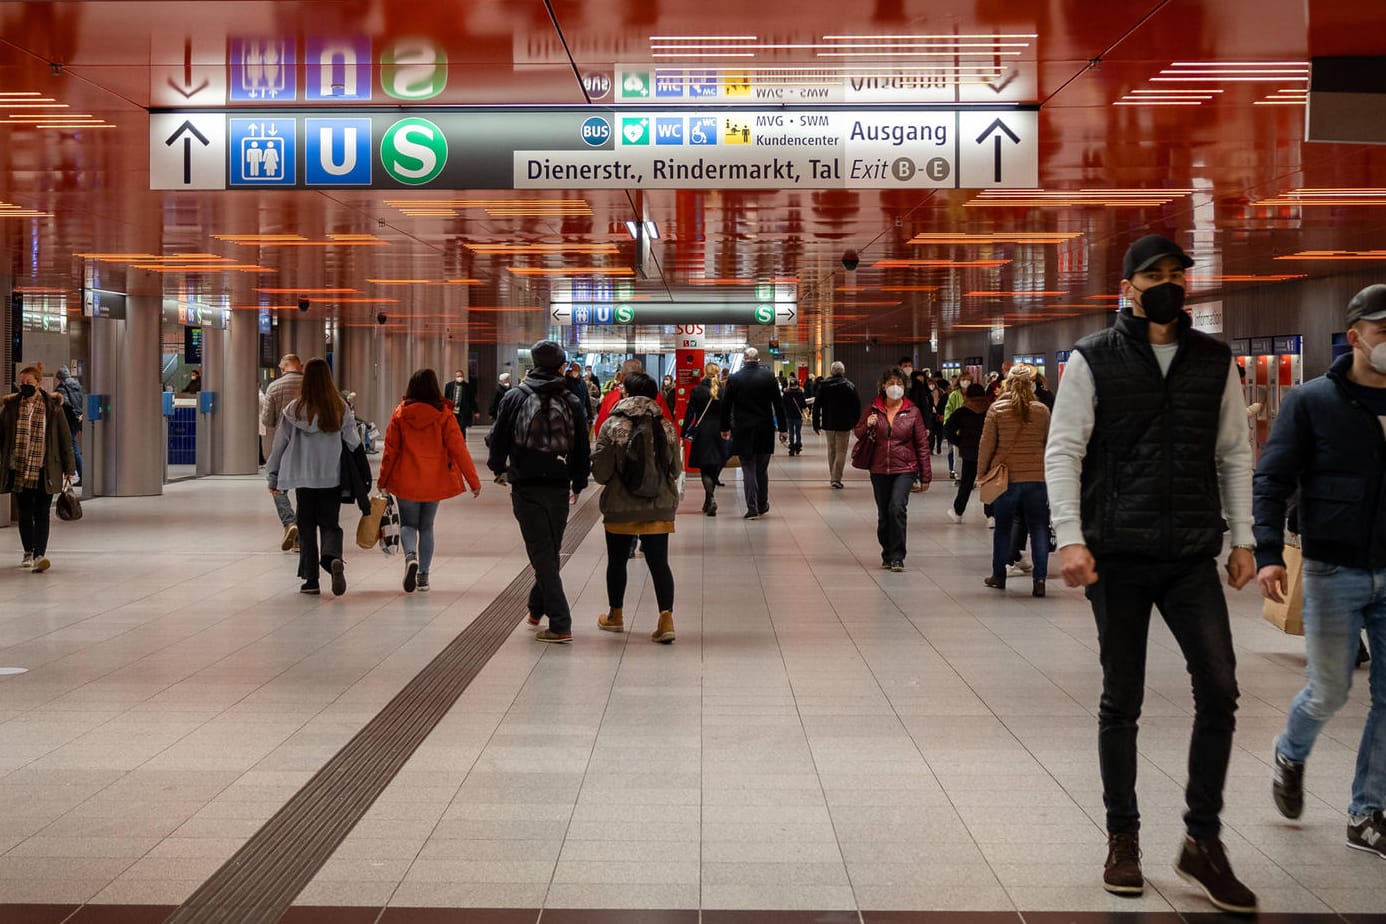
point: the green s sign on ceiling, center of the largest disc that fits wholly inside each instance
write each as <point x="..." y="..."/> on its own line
<point x="413" y="69"/>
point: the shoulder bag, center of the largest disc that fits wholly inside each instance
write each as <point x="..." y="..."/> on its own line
<point x="864" y="451"/>
<point x="997" y="480"/>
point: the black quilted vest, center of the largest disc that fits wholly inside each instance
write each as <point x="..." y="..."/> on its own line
<point x="1150" y="484"/>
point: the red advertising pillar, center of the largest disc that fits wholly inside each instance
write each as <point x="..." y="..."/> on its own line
<point x="688" y="372"/>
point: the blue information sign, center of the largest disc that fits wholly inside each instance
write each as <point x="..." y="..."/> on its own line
<point x="261" y="69"/>
<point x="337" y="69"/>
<point x="337" y="152"/>
<point x="669" y="130"/>
<point x="262" y="151"/>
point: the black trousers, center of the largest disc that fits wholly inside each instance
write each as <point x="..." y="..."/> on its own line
<point x="319" y="512"/>
<point x="755" y="471"/>
<point x="967" y="480"/>
<point x="656" y="548"/>
<point x="1190" y="599"/>
<point x="34" y="510"/>
<point x="542" y="512"/>
<point x="892" y="512"/>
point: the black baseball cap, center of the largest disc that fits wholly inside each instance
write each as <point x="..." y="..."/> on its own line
<point x="1368" y="305"/>
<point x="1148" y="251"/>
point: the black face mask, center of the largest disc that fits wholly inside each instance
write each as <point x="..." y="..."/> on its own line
<point x="1162" y="303"/>
<point x="27" y="390"/>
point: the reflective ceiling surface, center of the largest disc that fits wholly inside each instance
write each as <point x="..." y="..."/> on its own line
<point x="1179" y="116"/>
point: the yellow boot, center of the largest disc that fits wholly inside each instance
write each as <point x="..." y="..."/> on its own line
<point x="664" y="632"/>
<point x="611" y="622"/>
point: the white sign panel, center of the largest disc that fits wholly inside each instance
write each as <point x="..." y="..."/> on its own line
<point x="1207" y="317"/>
<point x="187" y="150"/>
<point x="780" y="149"/>
<point x="190" y="71"/>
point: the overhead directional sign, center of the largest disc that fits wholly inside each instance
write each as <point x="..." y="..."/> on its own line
<point x="187" y="151"/>
<point x="579" y="147"/>
<point x="766" y="314"/>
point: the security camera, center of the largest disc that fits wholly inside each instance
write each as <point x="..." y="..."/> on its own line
<point x="850" y="260"/>
<point x="381" y="318"/>
<point x="303" y="304"/>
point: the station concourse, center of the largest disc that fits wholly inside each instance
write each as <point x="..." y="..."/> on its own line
<point x="191" y="192"/>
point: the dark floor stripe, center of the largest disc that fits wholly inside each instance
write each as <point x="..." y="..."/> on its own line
<point x="258" y="883"/>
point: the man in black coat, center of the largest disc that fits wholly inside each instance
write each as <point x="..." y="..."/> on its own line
<point x="836" y="408"/>
<point x="462" y="394"/>
<point x="752" y="409"/>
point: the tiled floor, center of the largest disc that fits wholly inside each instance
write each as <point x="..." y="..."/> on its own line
<point x="823" y="736"/>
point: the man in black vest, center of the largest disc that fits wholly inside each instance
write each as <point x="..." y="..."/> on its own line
<point x="752" y="409"/>
<point x="1328" y="444"/>
<point x="1147" y="457"/>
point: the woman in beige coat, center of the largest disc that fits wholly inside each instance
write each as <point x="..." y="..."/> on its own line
<point x="1014" y="435"/>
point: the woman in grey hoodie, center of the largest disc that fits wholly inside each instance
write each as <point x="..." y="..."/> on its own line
<point x="307" y="457"/>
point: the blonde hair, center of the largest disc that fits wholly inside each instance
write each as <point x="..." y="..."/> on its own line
<point x="1019" y="386"/>
<point x="712" y="375"/>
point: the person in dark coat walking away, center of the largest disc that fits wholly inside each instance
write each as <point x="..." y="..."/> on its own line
<point x="895" y="424"/>
<point x="74" y="409"/>
<point x="539" y="442"/>
<point x="794" y="406"/>
<point x="964" y="431"/>
<point x="36" y="460"/>
<point x="836" y="409"/>
<point x="708" y="452"/>
<point x="637" y="458"/>
<point x="462" y="394"/>
<point x="751" y="408"/>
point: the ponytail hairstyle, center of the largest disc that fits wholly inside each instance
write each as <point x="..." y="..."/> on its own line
<point x="319" y="398"/>
<point x="712" y="374"/>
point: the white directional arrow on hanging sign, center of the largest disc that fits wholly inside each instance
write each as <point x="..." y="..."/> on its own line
<point x="187" y="150"/>
<point x="998" y="149"/>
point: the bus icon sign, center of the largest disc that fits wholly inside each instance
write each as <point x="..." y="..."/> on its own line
<point x="596" y="131"/>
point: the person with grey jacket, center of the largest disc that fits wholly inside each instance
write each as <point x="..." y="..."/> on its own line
<point x="280" y="393"/>
<point x="637" y="434"/>
<point x="307" y="457"/>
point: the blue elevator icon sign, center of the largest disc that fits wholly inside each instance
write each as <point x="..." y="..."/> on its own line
<point x="262" y="152"/>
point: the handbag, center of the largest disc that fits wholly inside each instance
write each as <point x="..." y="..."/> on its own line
<point x="864" y="451"/>
<point x="994" y="483"/>
<point x="389" y="527"/>
<point x="1288" y="617"/>
<point x="69" y="507"/>
<point x="368" y="528"/>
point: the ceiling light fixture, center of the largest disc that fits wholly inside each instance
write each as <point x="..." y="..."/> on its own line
<point x="572" y="271"/>
<point x="1336" y="255"/>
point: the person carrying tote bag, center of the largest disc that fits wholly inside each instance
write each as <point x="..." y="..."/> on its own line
<point x="424" y="463"/>
<point x="1012" y="454"/>
<point x="317" y="429"/>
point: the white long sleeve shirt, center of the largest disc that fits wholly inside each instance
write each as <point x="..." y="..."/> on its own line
<point x="1070" y="429"/>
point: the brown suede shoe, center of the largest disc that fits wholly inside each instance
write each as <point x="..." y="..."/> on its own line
<point x="1122" y="874"/>
<point x="611" y="622"/>
<point x="664" y="632"/>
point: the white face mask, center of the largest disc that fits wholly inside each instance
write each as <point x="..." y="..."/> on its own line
<point x="1377" y="356"/>
<point x="457" y="378"/>
<point x="895" y="392"/>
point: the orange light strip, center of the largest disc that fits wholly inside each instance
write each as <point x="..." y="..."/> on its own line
<point x="904" y="264"/>
<point x="1016" y="293"/>
<point x="309" y="291"/>
<point x="1271" y="278"/>
<point x="572" y="271"/>
<point x="719" y="281"/>
<point x="542" y="248"/>
<point x="1336" y="255"/>
<point x="1022" y="237"/>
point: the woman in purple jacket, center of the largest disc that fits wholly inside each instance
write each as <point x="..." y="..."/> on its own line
<point x="896" y="427"/>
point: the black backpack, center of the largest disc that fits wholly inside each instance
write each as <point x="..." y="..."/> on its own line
<point x="645" y="467"/>
<point x="544" y="422"/>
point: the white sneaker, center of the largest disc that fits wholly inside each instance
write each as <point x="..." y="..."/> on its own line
<point x="28" y="561"/>
<point x="991" y="522"/>
<point x="954" y="517"/>
<point x="1023" y="564"/>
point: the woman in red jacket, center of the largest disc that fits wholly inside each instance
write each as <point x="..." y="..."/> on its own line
<point x="425" y="461"/>
<point x="896" y="426"/>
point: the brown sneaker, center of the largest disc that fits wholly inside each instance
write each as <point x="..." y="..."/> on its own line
<point x="612" y="621"/>
<point x="664" y="632"/>
<point x="1204" y="863"/>
<point x="1122" y="874"/>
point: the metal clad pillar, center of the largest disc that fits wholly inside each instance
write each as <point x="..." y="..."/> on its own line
<point x="125" y="365"/>
<point x="235" y="424"/>
<point x="303" y="335"/>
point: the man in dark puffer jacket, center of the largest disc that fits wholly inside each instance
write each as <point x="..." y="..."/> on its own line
<point x="1147" y="455"/>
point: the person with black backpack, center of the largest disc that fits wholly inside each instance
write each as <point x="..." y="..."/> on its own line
<point x="539" y="442"/>
<point x="637" y="457"/>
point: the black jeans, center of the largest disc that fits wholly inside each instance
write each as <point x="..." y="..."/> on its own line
<point x="967" y="479"/>
<point x="542" y="512"/>
<point x="34" y="507"/>
<point x="892" y="504"/>
<point x="755" y="469"/>
<point x="1189" y="597"/>
<point x="656" y="548"/>
<point x="319" y="512"/>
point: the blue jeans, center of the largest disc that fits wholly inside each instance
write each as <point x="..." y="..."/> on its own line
<point x="416" y="529"/>
<point x="1032" y="498"/>
<point x="796" y="430"/>
<point x="1338" y="603"/>
<point x="284" y="508"/>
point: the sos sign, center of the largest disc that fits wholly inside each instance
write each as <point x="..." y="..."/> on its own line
<point x="690" y="336"/>
<point x="596" y="131"/>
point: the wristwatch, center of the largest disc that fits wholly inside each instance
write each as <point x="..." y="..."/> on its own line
<point x="1249" y="548"/>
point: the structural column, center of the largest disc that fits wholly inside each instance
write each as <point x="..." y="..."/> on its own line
<point x="302" y="335"/>
<point x="131" y="443"/>
<point x="235" y="423"/>
<point x="357" y="369"/>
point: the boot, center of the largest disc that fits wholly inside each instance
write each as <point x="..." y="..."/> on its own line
<point x="611" y="622"/>
<point x="711" y="509"/>
<point x="664" y="632"/>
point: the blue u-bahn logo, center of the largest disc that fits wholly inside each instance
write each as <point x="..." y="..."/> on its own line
<point x="596" y="131"/>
